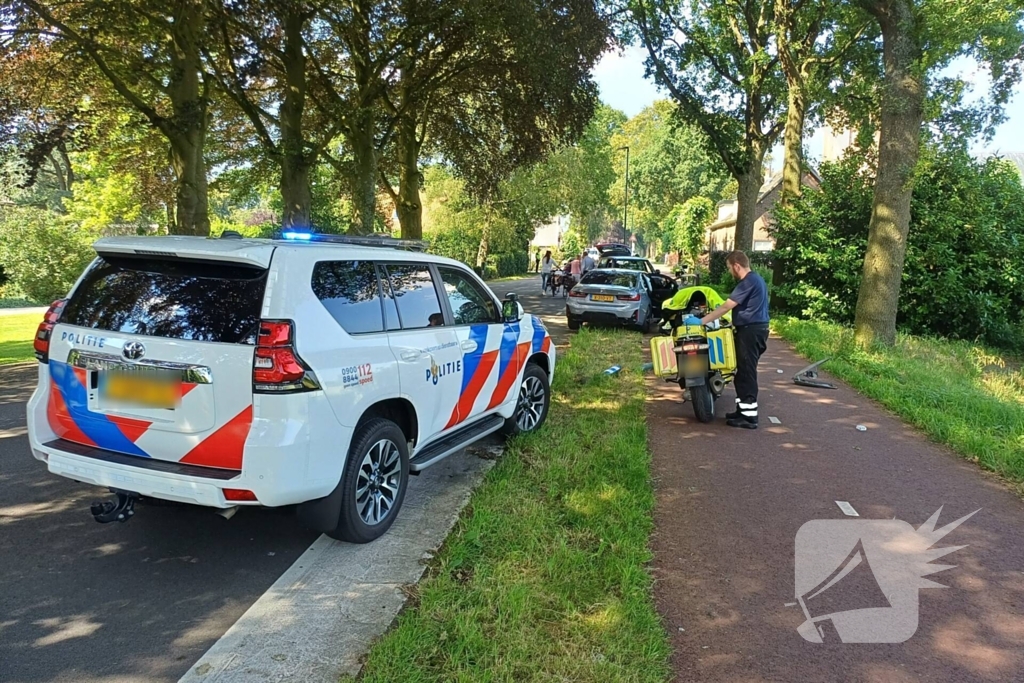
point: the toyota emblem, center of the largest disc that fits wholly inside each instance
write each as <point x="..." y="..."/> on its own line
<point x="134" y="350"/>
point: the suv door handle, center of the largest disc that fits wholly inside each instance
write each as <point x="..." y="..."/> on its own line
<point x="468" y="345"/>
<point x="410" y="355"/>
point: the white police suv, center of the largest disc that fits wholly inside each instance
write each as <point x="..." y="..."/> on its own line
<point x="311" y="370"/>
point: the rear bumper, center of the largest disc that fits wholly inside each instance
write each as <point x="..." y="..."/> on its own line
<point x="611" y="315"/>
<point x="105" y="468"/>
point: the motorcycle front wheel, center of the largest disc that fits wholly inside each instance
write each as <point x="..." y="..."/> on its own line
<point x="703" y="403"/>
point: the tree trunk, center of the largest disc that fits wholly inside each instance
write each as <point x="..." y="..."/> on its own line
<point x="295" y="190"/>
<point x="792" y="170"/>
<point x="364" y="172"/>
<point x="793" y="144"/>
<point x="410" y="209"/>
<point x="482" y="252"/>
<point x="187" y="130"/>
<point x="902" y="113"/>
<point x="191" y="207"/>
<point x="749" y="187"/>
<point x="58" y="173"/>
<point x="70" y="177"/>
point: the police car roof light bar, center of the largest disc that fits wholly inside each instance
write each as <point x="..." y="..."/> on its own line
<point x="384" y="241"/>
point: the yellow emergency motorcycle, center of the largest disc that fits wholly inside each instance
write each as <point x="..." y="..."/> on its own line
<point x="700" y="358"/>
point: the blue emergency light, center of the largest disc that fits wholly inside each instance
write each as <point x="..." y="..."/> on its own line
<point x="294" y="235"/>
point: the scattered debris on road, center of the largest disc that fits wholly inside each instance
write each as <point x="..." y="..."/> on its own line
<point x="847" y="508"/>
<point x="808" y="377"/>
<point x="774" y="420"/>
<point x="861" y="428"/>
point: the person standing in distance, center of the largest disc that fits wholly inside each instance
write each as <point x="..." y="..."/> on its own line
<point x="749" y="305"/>
<point x="546" y="266"/>
<point x="587" y="262"/>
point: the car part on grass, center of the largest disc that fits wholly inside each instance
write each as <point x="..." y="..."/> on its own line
<point x="808" y="377"/>
<point x="121" y="509"/>
<point x="612" y="370"/>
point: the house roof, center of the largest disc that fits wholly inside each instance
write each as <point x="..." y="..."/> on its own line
<point x="771" y="185"/>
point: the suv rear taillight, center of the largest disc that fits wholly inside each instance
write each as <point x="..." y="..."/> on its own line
<point x="41" y="344"/>
<point x="276" y="367"/>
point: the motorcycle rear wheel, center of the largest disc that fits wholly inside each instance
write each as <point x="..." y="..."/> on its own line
<point x="703" y="403"/>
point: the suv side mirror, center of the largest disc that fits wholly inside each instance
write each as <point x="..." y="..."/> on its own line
<point x="511" y="309"/>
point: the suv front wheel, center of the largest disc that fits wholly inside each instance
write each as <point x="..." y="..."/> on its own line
<point x="374" y="482"/>
<point x="534" y="401"/>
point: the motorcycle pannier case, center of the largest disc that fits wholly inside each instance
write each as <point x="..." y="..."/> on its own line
<point x="721" y="350"/>
<point x="664" y="357"/>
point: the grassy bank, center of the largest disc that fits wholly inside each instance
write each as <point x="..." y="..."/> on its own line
<point x="16" y="333"/>
<point x="961" y="394"/>
<point x="544" y="576"/>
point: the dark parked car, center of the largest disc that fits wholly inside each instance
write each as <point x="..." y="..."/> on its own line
<point x="662" y="286"/>
<point x="613" y="249"/>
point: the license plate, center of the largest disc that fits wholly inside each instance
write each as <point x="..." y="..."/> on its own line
<point x="143" y="389"/>
<point x="693" y="365"/>
<point x="602" y="297"/>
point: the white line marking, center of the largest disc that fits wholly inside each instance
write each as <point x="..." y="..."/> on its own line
<point x="847" y="508"/>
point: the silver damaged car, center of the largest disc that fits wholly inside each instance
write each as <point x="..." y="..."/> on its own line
<point x="608" y="296"/>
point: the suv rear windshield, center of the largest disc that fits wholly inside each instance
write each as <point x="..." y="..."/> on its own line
<point x="624" y="263"/>
<point x="604" y="277"/>
<point x="177" y="299"/>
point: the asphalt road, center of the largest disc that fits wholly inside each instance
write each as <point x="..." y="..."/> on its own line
<point x="139" y="602"/>
<point x="730" y="503"/>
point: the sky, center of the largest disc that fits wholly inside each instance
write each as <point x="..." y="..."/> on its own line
<point x="620" y="76"/>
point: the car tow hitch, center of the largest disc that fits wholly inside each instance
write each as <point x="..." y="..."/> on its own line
<point x="120" y="509"/>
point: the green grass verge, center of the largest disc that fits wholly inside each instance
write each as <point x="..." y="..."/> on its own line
<point x="544" y="577"/>
<point x="961" y="394"/>
<point x="18" y="303"/>
<point x="16" y="333"/>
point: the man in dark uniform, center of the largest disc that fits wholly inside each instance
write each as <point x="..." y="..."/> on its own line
<point x="749" y="305"/>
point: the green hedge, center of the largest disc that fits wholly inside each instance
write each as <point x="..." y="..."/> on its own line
<point x="43" y="252"/>
<point x="964" y="270"/>
<point x="509" y="265"/>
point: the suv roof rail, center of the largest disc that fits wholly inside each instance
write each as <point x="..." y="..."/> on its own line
<point x="384" y="241"/>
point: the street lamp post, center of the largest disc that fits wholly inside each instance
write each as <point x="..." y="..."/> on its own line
<point x="625" y="203"/>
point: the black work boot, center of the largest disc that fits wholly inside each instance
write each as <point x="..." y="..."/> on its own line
<point x="743" y="422"/>
<point x="745" y="416"/>
<point x="734" y="414"/>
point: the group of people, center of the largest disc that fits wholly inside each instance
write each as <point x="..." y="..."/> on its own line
<point x="576" y="268"/>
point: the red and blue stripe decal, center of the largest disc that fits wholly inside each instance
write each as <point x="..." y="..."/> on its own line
<point x="69" y="415"/>
<point x="476" y="368"/>
<point x="541" y="339"/>
<point x="513" y="356"/>
<point x="70" y="418"/>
